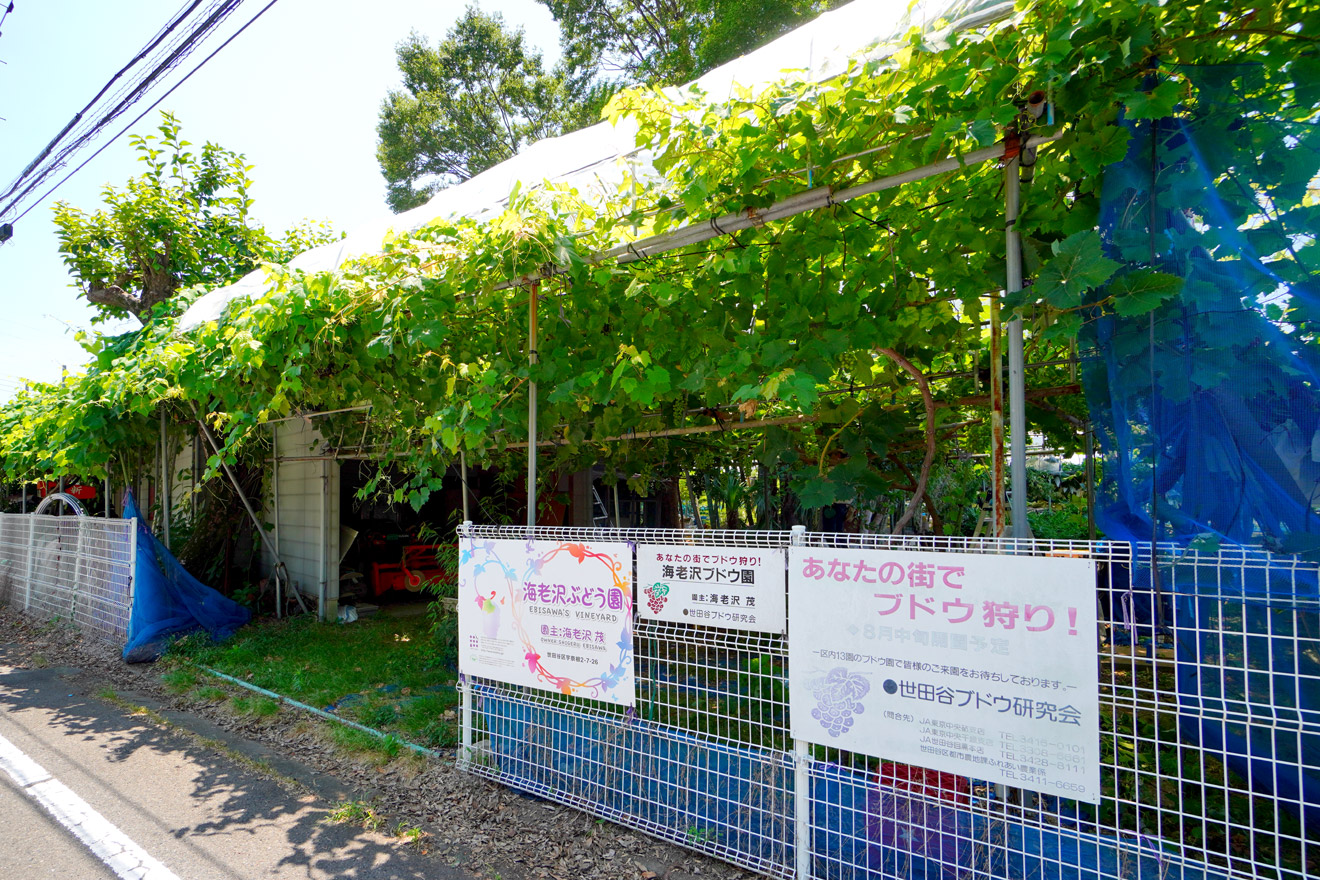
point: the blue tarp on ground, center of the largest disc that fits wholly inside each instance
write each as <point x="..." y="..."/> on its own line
<point x="168" y="601"/>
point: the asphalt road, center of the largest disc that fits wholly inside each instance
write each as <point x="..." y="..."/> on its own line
<point x="101" y="790"/>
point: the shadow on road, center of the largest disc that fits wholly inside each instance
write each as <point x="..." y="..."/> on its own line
<point x="218" y="808"/>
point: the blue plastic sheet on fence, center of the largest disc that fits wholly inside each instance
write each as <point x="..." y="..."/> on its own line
<point x="656" y="778"/>
<point x="1207" y="410"/>
<point x="863" y="830"/>
<point x="168" y="601"/>
<point x="740" y="800"/>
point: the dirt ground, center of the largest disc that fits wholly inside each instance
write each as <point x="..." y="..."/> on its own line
<point x="489" y="830"/>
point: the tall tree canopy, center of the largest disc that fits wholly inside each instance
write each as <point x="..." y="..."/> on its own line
<point x="666" y="42"/>
<point x="183" y="222"/>
<point x="472" y="101"/>
<point x="468" y="104"/>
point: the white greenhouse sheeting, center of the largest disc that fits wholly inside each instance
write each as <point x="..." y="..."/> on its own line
<point x="594" y="160"/>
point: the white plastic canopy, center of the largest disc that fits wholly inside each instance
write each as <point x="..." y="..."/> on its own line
<point x="595" y="160"/>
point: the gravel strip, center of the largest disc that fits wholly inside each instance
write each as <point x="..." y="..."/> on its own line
<point x="488" y="829"/>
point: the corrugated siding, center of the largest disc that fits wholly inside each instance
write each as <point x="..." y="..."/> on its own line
<point x="300" y="530"/>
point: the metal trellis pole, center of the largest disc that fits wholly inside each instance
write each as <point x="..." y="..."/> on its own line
<point x="165" y="500"/>
<point x="462" y="473"/>
<point x="1017" y="397"/>
<point x="531" y="407"/>
<point x="801" y="778"/>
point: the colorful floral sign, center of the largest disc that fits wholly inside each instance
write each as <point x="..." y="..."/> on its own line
<point x="553" y="615"/>
<point x="733" y="587"/>
<point x="976" y="664"/>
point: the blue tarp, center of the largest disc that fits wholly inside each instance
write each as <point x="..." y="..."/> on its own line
<point x="168" y="601"/>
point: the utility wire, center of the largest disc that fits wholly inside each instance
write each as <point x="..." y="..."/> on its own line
<point x="174" y="51"/>
<point x="173" y="47"/>
<point x="77" y="117"/>
<point x="140" y="116"/>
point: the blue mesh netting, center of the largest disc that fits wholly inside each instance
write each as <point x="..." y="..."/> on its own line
<point x="738" y="801"/>
<point x="1208" y="414"/>
<point x="168" y="601"/>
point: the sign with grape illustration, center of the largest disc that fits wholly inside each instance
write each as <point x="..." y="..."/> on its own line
<point x="975" y="664"/>
<point x="733" y="587"/>
<point x="552" y="615"/>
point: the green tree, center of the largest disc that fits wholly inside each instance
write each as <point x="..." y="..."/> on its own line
<point x="183" y="222"/>
<point x="468" y="104"/>
<point x="667" y="42"/>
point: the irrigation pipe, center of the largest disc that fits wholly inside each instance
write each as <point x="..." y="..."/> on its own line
<point x="423" y="750"/>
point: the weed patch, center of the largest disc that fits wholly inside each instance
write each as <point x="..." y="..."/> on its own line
<point x="389" y="674"/>
<point x="179" y="681"/>
<point x="356" y="813"/>
<point x="261" y="707"/>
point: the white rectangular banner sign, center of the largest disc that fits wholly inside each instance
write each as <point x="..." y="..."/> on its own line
<point x="975" y="664"/>
<point x="734" y="587"/>
<point x="553" y="615"/>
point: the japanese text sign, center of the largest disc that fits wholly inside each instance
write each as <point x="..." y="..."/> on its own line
<point x="733" y="587"/>
<point x="553" y="615"/>
<point x="977" y="664"/>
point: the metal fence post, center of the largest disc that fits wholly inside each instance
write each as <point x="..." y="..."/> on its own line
<point x="31" y="560"/>
<point x="79" y="552"/>
<point x="132" y="571"/>
<point x="801" y="772"/>
<point x="464" y="685"/>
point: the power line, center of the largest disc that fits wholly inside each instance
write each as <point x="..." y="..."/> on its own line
<point x="173" y="52"/>
<point x="140" y="116"/>
<point x="162" y="53"/>
<point x="77" y="117"/>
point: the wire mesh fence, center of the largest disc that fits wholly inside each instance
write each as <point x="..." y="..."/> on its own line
<point x="1208" y="677"/>
<point x="69" y="568"/>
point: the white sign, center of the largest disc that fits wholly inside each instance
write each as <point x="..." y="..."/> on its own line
<point x="980" y="665"/>
<point x="553" y="615"/>
<point x="734" y="587"/>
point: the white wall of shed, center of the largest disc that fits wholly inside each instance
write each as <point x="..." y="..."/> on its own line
<point x="308" y="515"/>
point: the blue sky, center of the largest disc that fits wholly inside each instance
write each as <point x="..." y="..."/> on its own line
<point x="298" y="93"/>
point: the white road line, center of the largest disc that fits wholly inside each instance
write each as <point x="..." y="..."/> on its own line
<point x="128" y="860"/>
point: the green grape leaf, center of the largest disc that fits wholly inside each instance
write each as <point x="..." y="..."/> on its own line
<point x="1077" y="267"/>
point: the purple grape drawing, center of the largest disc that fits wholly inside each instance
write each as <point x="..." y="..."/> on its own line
<point x="838" y="698"/>
<point x="656" y="597"/>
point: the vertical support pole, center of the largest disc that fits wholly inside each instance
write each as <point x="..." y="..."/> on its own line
<point x="618" y="523"/>
<point x="532" y="361"/>
<point x="998" y="517"/>
<point x="275" y="511"/>
<point x="322" y="599"/>
<point x="166" y="502"/>
<point x="78" y="566"/>
<point x="462" y="474"/>
<point x="31" y="560"/>
<point x="132" y="571"/>
<point x="1017" y="396"/>
<point x="22" y="504"/>
<point x="801" y="777"/>
<point x="1090" y="481"/>
<point x="108" y="496"/>
<point x="465" y="685"/>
